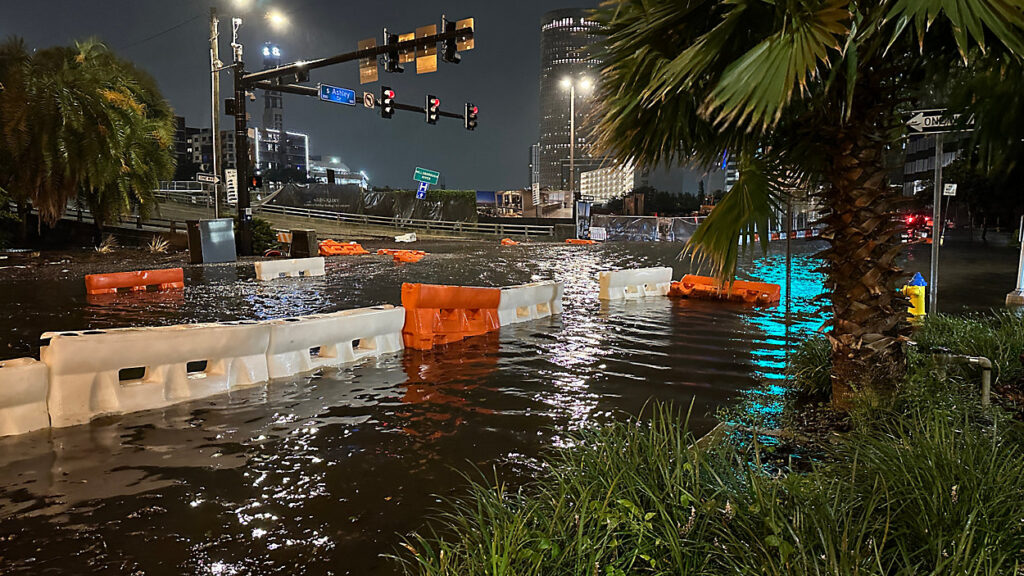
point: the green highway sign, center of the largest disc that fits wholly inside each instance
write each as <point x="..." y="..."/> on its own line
<point x="424" y="175"/>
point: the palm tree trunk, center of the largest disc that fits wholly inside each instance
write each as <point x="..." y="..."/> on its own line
<point x="868" y="325"/>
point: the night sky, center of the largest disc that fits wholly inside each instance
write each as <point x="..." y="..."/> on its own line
<point x="500" y="75"/>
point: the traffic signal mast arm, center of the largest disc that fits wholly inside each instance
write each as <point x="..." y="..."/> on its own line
<point x="292" y="69"/>
<point x="314" y="92"/>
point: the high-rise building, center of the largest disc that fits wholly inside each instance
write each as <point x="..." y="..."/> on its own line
<point x="273" y="114"/>
<point x="534" y="164"/>
<point x="567" y="38"/>
<point x="604" y="184"/>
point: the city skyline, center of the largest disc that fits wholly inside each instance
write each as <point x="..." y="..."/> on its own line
<point x="500" y="76"/>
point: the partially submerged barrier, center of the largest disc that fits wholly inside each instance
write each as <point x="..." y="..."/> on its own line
<point x="436" y="315"/>
<point x="308" y="343"/>
<point x="23" y="384"/>
<point x="707" y="288"/>
<point x="97" y="372"/>
<point x="271" y="269"/>
<point x="633" y="284"/>
<point x="580" y="242"/>
<point x="335" y="248"/>
<point x="509" y="242"/>
<point x="530" y="302"/>
<point x="166" y="279"/>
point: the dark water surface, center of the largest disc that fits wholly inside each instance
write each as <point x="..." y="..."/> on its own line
<point x="323" y="473"/>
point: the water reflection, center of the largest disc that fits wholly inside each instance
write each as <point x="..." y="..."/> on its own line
<point x="323" y="472"/>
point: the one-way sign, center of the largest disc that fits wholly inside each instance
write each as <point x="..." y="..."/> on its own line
<point x="203" y="177"/>
<point x="936" y="121"/>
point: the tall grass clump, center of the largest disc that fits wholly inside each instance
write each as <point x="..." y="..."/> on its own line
<point x="930" y="491"/>
<point x="810" y="367"/>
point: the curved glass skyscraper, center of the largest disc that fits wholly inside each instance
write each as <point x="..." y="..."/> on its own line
<point x="566" y="51"/>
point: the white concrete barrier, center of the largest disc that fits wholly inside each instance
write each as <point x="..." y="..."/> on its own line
<point x="308" y="343"/>
<point x="98" y="372"/>
<point x="22" y="396"/>
<point x="633" y="284"/>
<point x="271" y="269"/>
<point x="530" y="302"/>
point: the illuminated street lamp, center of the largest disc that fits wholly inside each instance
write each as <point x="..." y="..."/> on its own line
<point x="570" y="84"/>
<point x="278" y="21"/>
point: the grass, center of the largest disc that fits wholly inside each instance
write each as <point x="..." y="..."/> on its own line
<point x="931" y="484"/>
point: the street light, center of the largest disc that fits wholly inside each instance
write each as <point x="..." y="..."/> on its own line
<point x="568" y="83"/>
<point x="278" y="21"/>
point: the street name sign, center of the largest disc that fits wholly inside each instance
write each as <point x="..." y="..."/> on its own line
<point x="337" y="94"/>
<point x="949" y="190"/>
<point x="424" y="175"/>
<point x="203" y="177"/>
<point x="422" y="192"/>
<point x="937" y="121"/>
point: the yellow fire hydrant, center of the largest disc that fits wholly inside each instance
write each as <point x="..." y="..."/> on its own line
<point x="915" y="291"/>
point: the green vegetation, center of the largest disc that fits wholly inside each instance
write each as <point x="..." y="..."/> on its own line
<point x="807" y="95"/>
<point x="930" y="483"/>
<point x="80" y="124"/>
<point x="263" y="236"/>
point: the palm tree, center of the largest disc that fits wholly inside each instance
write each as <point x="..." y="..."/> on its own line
<point x="805" y="93"/>
<point x="77" y="123"/>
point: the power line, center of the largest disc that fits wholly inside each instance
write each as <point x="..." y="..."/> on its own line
<point x="162" y="32"/>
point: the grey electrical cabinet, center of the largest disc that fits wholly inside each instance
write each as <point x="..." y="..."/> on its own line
<point x="211" y="241"/>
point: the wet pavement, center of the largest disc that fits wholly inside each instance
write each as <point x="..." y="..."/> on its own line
<point x="324" y="473"/>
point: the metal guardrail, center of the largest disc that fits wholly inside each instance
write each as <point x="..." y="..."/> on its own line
<point x="399" y="222"/>
<point x="367" y="219"/>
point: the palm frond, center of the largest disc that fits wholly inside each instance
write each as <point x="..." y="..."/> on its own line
<point x="969" y="20"/>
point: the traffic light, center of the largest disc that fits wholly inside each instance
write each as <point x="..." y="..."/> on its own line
<point x="449" y="48"/>
<point x="470" y="116"/>
<point x="433" y="108"/>
<point x="257" y="181"/>
<point x="387" y="102"/>
<point x="391" y="57"/>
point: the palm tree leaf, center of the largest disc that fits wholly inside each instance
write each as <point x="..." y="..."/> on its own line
<point x="969" y="20"/>
<point x="748" y="208"/>
<point x="757" y="86"/>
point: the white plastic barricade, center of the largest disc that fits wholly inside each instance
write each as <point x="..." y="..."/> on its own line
<point x="530" y="302"/>
<point x="307" y="343"/>
<point x="633" y="284"/>
<point x="271" y="269"/>
<point x="22" y="396"/>
<point x="99" y="372"/>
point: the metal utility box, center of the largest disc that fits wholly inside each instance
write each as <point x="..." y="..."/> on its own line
<point x="211" y="241"/>
<point x="304" y="244"/>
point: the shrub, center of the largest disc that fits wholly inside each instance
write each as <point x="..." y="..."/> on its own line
<point x="263" y="236"/>
<point x="810" y="367"/>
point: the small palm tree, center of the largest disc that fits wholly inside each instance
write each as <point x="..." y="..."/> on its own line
<point x="78" y="123"/>
<point x="805" y="93"/>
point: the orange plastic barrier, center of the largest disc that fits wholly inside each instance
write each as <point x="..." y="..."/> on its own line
<point x="509" y="242"/>
<point x="284" y="237"/>
<point x="137" y="281"/>
<point x="335" y="248"/>
<point x="403" y="255"/>
<point x="437" y="315"/>
<point x="706" y="288"/>
<point x="580" y="242"/>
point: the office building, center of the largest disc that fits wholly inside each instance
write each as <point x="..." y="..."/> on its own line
<point x="608" y="183"/>
<point x="567" y="38"/>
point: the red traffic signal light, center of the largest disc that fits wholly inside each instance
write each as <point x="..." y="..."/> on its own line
<point x="433" y="108"/>
<point x="387" y="102"/>
<point x="470" y="116"/>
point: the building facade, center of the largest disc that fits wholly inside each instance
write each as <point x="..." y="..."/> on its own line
<point x="919" y="166"/>
<point x="567" y="37"/>
<point x="608" y="183"/>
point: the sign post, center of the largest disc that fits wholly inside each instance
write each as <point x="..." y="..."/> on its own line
<point x="937" y="122"/>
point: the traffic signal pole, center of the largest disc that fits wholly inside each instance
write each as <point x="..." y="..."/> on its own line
<point x="242" y="163"/>
<point x="277" y="79"/>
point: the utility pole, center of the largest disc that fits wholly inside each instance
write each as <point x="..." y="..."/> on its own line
<point x="572" y="155"/>
<point x="215" y="66"/>
<point x="933" y="293"/>
<point x="241" y="144"/>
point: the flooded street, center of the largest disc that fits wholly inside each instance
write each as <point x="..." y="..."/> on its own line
<point x="324" y="473"/>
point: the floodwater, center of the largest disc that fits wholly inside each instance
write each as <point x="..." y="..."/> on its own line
<point x="324" y="473"/>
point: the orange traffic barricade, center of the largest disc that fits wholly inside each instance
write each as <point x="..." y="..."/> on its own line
<point x="335" y="248"/>
<point x="436" y="315"/>
<point x="707" y="288"/>
<point x="109" y="283"/>
<point x="509" y="242"/>
<point x="403" y="255"/>
<point x="579" y="241"/>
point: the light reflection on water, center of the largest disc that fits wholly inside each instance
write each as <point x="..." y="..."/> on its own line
<point x="326" y="471"/>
